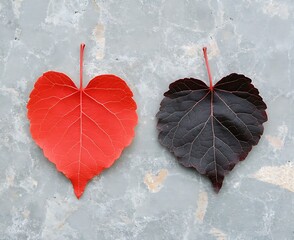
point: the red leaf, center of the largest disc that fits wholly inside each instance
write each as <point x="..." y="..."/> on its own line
<point x="81" y="130"/>
<point x="211" y="128"/>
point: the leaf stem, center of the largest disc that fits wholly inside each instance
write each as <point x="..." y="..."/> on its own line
<point x="208" y="68"/>
<point x="81" y="64"/>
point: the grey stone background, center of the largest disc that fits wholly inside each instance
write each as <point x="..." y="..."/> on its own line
<point x="149" y="43"/>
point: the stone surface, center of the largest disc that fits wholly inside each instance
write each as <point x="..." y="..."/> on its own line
<point x="149" y="43"/>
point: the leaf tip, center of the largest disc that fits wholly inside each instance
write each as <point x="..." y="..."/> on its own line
<point x="79" y="188"/>
<point x="217" y="186"/>
<point x="78" y="193"/>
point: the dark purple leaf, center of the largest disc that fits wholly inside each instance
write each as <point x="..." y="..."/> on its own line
<point x="211" y="128"/>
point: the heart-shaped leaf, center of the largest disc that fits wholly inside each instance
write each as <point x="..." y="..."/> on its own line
<point x="81" y="130"/>
<point x="211" y="128"/>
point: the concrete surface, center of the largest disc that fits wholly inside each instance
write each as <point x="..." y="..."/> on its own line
<point x="149" y="43"/>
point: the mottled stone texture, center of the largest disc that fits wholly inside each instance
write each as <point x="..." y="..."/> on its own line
<point x="150" y="43"/>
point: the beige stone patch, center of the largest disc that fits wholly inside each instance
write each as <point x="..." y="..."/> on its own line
<point x="193" y="50"/>
<point x="275" y="8"/>
<point x="282" y="176"/>
<point x="277" y="142"/>
<point x="96" y="5"/>
<point x="10" y="176"/>
<point x="154" y="182"/>
<point x="202" y="203"/>
<point x="16" y="5"/>
<point x="218" y="234"/>
<point x="99" y="37"/>
<point x="26" y="213"/>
